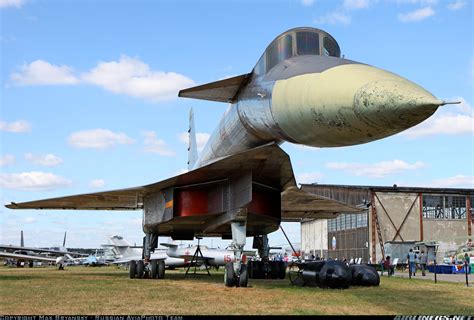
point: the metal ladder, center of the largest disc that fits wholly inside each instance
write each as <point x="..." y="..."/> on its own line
<point x="377" y="225"/>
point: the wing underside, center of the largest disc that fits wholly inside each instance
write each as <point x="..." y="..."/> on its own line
<point x="297" y="205"/>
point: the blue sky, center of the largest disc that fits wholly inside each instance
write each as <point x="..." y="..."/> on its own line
<point x="88" y="97"/>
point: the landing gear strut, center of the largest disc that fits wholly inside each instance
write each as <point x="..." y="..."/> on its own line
<point x="236" y="272"/>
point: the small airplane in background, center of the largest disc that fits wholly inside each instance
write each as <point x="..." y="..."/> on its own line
<point x="119" y="251"/>
<point x="57" y="256"/>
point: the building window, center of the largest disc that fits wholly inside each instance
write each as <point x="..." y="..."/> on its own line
<point x="444" y="207"/>
<point x="347" y="221"/>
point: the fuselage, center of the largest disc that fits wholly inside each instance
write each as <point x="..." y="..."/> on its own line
<point x="302" y="91"/>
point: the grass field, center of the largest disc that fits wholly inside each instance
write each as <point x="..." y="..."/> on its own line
<point x="107" y="290"/>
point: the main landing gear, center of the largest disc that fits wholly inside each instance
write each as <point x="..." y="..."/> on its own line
<point x="154" y="269"/>
<point x="235" y="273"/>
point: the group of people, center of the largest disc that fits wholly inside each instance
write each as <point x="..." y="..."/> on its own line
<point x="416" y="261"/>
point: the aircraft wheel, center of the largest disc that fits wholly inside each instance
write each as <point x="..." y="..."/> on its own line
<point x="161" y="269"/>
<point x="154" y="269"/>
<point x="244" y="276"/>
<point x="282" y="273"/>
<point x="140" y="269"/>
<point x="30" y="264"/>
<point x="132" y="270"/>
<point x="229" y="276"/>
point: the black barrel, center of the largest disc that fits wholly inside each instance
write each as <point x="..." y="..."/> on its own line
<point x="335" y="274"/>
<point x="311" y="273"/>
<point x="365" y="276"/>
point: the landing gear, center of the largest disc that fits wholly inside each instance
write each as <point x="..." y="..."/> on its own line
<point x="236" y="273"/>
<point x="244" y="276"/>
<point x="161" y="269"/>
<point x="132" y="270"/>
<point x="229" y="276"/>
<point x="153" y="270"/>
<point x="140" y="269"/>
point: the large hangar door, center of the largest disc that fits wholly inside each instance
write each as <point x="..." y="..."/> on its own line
<point x="399" y="219"/>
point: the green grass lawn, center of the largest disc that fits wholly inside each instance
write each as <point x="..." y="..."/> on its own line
<point x="107" y="290"/>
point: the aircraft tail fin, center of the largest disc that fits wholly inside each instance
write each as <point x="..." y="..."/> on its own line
<point x="64" y="240"/>
<point x="192" y="148"/>
<point x="22" y="241"/>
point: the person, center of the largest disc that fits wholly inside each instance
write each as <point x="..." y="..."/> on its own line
<point x="423" y="262"/>
<point x="317" y="257"/>
<point x="411" y="257"/>
<point x="312" y="256"/>
<point x="469" y="244"/>
<point x="387" y="265"/>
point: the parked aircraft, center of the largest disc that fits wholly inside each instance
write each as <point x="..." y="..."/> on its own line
<point x="57" y="256"/>
<point x="242" y="185"/>
<point x="123" y="253"/>
<point x="212" y="256"/>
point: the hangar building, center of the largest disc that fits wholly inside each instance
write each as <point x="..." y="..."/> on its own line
<point x="393" y="216"/>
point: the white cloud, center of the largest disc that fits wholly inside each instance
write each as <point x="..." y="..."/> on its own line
<point x="97" y="183"/>
<point x="307" y="3"/>
<point x="7" y="160"/>
<point x="334" y="18"/>
<point x="128" y="76"/>
<point x="309" y="177"/>
<point x="47" y="160"/>
<point x="456" y="5"/>
<point x="135" y="78"/>
<point x="154" y="145"/>
<point x="376" y="170"/>
<point x="457" y="181"/>
<point x="19" y="126"/>
<point x="98" y="139"/>
<point x="416" y="15"/>
<point x="451" y="120"/>
<point x="356" y="4"/>
<point x="201" y="139"/>
<point x="11" y="3"/>
<point x="32" y="181"/>
<point x="41" y="72"/>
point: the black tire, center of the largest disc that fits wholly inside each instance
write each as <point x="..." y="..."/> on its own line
<point x="30" y="264"/>
<point x="244" y="276"/>
<point x="274" y="269"/>
<point x="229" y="276"/>
<point x="132" y="269"/>
<point x="161" y="269"/>
<point x="154" y="269"/>
<point x="282" y="273"/>
<point x="140" y="269"/>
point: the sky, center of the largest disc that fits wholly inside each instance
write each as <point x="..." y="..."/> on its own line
<point x="89" y="98"/>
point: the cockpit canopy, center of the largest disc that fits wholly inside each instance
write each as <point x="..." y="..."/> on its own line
<point x="297" y="42"/>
